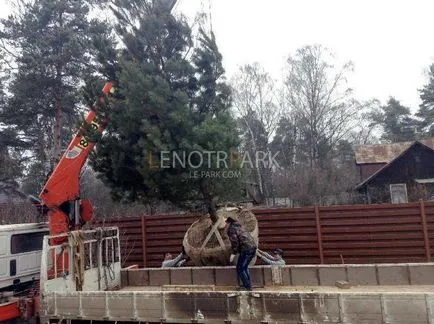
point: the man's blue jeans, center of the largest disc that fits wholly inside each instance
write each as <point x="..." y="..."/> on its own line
<point x="243" y="266"/>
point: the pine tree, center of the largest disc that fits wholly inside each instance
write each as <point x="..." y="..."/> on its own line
<point x="10" y="158"/>
<point x="397" y="122"/>
<point x="285" y="142"/>
<point x="170" y="102"/>
<point x="53" y="42"/>
<point x="11" y="148"/>
<point x="426" y="109"/>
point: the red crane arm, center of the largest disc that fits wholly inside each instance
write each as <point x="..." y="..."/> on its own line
<point x="63" y="185"/>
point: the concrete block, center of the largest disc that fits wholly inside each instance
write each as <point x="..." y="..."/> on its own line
<point x="304" y="276"/>
<point x="121" y="305"/>
<point x="362" y="275"/>
<point x="226" y="276"/>
<point x="283" y="309"/>
<point x="150" y="307"/>
<point x="138" y="277"/>
<point x="159" y="277"/>
<point x="421" y="274"/>
<point x="124" y="278"/>
<point x="178" y="306"/>
<point x="93" y="306"/>
<point x="203" y="276"/>
<point x="66" y="305"/>
<point x="257" y="276"/>
<point x="212" y="307"/>
<point x="357" y="305"/>
<point x="319" y="309"/>
<point x="328" y="275"/>
<point x="253" y="301"/>
<point x="268" y="279"/>
<point x="405" y="309"/>
<point x="393" y="275"/>
<point x="286" y="276"/>
<point x="181" y="276"/>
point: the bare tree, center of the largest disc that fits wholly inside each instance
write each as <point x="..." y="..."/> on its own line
<point x="319" y="100"/>
<point x="255" y="91"/>
<point x="368" y="129"/>
<point x="257" y="109"/>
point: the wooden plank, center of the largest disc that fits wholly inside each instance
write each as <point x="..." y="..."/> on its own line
<point x="370" y="213"/>
<point x="261" y="211"/>
<point x="374" y="244"/>
<point x="373" y="221"/>
<point x="371" y="237"/>
<point x="319" y="235"/>
<point x="166" y="229"/>
<point x="376" y="251"/>
<point x="425" y="232"/>
<point x="186" y="221"/>
<point x="372" y="229"/>
<point x="144" y="242"/>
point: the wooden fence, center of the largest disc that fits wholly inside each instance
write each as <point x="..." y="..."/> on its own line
<point x="386" y="233"/>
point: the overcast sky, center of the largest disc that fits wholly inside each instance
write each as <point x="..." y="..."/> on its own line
<point x="389" y="41"/>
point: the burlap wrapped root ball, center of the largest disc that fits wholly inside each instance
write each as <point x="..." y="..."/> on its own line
<point x="212" y="253"/>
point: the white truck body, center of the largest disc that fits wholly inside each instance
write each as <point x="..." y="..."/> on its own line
<point x="20" y="253"/>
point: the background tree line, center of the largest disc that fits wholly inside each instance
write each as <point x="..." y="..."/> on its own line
<point x="313" y="120"/>
<point x="173" y="96"/>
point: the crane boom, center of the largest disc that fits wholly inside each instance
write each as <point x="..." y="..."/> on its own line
<point x="61" y="193"/>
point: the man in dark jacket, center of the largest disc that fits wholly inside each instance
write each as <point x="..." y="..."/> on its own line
<point x="243" y="244"/>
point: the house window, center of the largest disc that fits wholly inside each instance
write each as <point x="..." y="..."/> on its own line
<point x="398" y="193"/>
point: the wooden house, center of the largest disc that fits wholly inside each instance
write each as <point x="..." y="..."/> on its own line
<point x="396" y="173"/>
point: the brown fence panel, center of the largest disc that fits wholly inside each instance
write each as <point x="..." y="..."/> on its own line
<point x="293" y="230"/>
<point x="372" y="234"/>
<point x="165" y="233"/>
<point x="336" y="234"/>
<point x="429" y="212"/>
<point x="130" y="233"/>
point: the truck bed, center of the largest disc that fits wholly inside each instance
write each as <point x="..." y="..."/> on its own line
<point x="271" y="302"/>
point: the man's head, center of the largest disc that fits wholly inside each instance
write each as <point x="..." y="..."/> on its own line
<point x="230" y="220"/>
<point x="167" y="256"/>
<point x="278" y="252"/>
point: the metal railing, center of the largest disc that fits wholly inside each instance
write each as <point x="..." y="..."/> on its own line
<point x="81" y="260"/>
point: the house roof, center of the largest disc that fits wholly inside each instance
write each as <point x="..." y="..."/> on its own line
<point x="374" y="175"/>
<point x="384" y="153"/>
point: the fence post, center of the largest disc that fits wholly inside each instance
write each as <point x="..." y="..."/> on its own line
<point x="319" y="235"/>
<point x="144" y="240"/>
<point x="425" y="231"/>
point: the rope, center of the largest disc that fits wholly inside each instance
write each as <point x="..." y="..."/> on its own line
<point x="79" y="260"/>
<point x="208" y="237"/>
<point x="108" y="267"/>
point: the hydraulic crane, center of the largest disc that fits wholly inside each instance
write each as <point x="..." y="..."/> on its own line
<point x="61" y="194"/>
